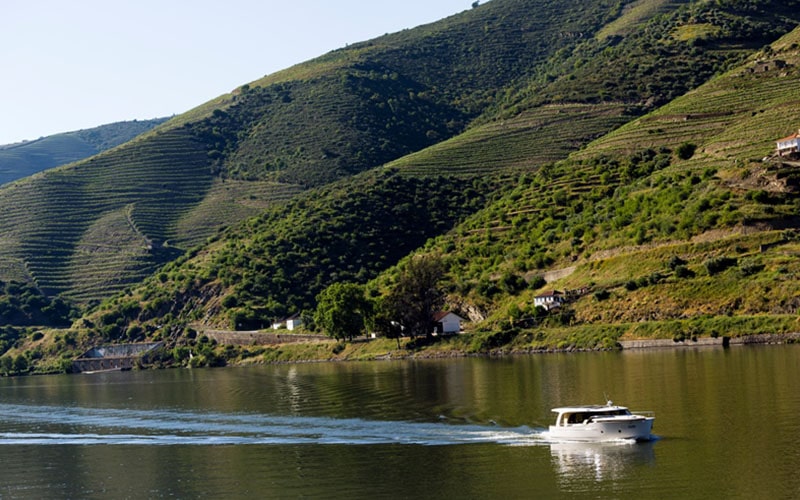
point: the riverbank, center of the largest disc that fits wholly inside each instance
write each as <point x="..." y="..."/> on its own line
<point x="472" y="345"/>
<point x="44" y="350"/>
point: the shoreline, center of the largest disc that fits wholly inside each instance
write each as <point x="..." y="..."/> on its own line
<point x="722" y="341"/>
<point x="401" y="354"/>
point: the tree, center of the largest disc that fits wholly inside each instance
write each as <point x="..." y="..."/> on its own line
<point x="384" y="320"/>
<point x="686" y="150"/>
<point x="20" y="364"/>
<point x="416" y="296"/>
<point x="342" y="310"/>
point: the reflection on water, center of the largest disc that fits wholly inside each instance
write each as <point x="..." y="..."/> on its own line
<point x="600" y="461"/>
<point x="407" y="429"/>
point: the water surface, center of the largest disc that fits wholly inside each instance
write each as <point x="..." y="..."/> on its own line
<point x="726" y="421"/>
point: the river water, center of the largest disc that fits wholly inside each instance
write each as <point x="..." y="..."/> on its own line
<point x="727" y="425"/>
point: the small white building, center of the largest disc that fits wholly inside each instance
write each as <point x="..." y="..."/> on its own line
<point x="290" y="323"/>
<point x="549" y="300"/>
<point x="447" y="322"/>
<point x="789" y="144"/>
<point x="293" y="322"/>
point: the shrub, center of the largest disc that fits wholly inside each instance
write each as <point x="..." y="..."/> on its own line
<point x="537" y="282"/>
<point x="230" y="301"/>
<point x="758" y="195"/>
<point x="716" y="265"/>
<point x="601" y="295"/>
<point x="675" y="262"/>
<point x="749" y="268"/>
<point x="511" y="283"/>
<point x="686" y="150"/>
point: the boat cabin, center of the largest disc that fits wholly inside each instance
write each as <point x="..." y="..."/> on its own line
<point x="582" y="414"/>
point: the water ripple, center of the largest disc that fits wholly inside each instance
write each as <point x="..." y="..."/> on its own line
<point x="28" y="425"/>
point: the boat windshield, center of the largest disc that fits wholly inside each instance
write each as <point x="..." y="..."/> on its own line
<point x="579" y="417"/>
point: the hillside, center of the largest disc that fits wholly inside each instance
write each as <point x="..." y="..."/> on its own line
<point x="343" y="113"/>
<point x="673" y="223"/>
<point x="656" y="207"/>
<point x="651" y="53"/>
<point x="27" y="158"/>
<point x="526" y="227"/>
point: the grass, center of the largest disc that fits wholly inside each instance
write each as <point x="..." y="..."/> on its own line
<point x="24" y="159"/>
<point x="520" y="143"/>
<point x="721" y="116"/>
<point x="59" y="224"/>
<point x="633" y="14"/>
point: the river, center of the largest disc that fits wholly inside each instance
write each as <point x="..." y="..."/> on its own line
<point x="727" y="422"/>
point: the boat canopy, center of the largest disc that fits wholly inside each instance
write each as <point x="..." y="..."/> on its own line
<point x="578" y="414"/>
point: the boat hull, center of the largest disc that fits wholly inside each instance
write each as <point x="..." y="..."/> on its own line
<point x="611" y="429"/>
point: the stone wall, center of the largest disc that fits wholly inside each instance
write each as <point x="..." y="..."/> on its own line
<point x="260" y="338"/>
<point x="657" y="343"/>
<point x="112" y="357"/>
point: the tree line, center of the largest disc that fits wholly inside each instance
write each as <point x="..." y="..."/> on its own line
<point x="407" y="308"/>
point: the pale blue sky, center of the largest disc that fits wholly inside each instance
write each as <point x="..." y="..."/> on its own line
<point x="73" y="64"/>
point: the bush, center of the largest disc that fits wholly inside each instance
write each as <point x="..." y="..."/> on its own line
<point x="686" y="150"/>
<point x="675" y="262"/>
<point x="758" y="195"/>
<point x="511" y="283"/>
<point x="749" y="268"/>
<point x="230" y="301"/>
<point x="601" y="295"/>
<point x="716" y="265"/>
<point x="537" y="282"/>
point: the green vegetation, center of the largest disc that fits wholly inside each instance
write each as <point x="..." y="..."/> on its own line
<point x="27" y="158"/>
<point x="343" y="310"/>
<point x="276" y="264"/>
<point x="24" y="305"/>
<point x="614" y="150"/>
<point x="343" y="113"/>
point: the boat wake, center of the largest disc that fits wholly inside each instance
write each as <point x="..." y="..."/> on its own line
<point x="52" y="425"/>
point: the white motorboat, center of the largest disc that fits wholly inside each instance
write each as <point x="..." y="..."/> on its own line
<point x="601" y="423"/>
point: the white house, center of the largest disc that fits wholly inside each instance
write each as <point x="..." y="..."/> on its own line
<point x="293" y="322"/>
<point x="447" y="322"/>
<point x="549" y="300"/>
<point x="289" y="323"/>
<point x="789" y="144"/>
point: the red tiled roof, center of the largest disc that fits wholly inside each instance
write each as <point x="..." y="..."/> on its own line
<point x="441" y="314"/>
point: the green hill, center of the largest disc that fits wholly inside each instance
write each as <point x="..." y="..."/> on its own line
<point x="678" y="224"/>
<point x="27" y="158"/>
<point x="136" y="206"/>
<point x="528" y="215"/>
<point x="452" y="138"/>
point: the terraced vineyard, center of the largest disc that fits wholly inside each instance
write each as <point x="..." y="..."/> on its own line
<point x="535" y="137"/>
<point x="227" y="201"/>
<point x="21" y="160"/>
<point x="725" y="113"/>
<point x="91" y="229"/>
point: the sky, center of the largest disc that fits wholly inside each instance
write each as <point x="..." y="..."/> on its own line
<point x="70" y="65"/>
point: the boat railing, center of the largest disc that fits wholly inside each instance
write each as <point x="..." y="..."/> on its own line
<point x="645" y="413"/>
